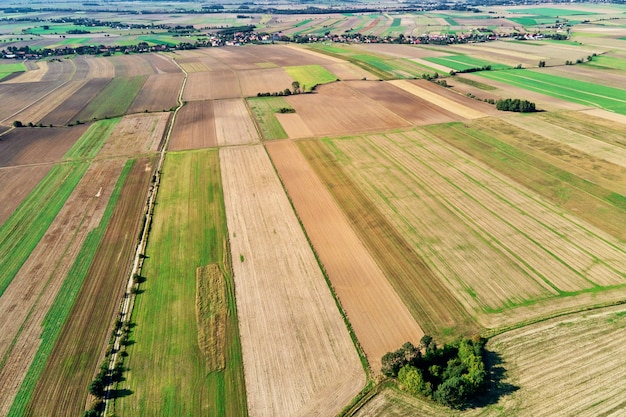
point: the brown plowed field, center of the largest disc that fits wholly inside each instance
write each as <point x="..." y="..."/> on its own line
<point x="336" y="109"/>
<point x="131" y="65"/>
<point x="194" y="127"/>
<point x="37" y="145"/>
<point x="288" y="320"/>
<point x="17" y="97"/>
<point x="32" y="75"/>
<point x="406" y="105"/>
<point x="136" y="134"/>
<point x="32" y="291"/>
<point x="60" y="71"/>
<point x="101" y="68"/>
<point x="191" y="67"/>
<point x="380" y="320"/>
<point x="293" y="125"/>
<point x="233" y="123"/>
<point x="161" y="64"/>
<point x="477" y="105"/>
<point x="212" y="85"/>
<point x="159" y="92"/>
<point x="16" y="183"/>
<point x="39" y="110"/>
<point x="61" y="389"/>
<point x="81" y="65"/>
<point x="66" y="111"/>
<point x="263" y="80"/>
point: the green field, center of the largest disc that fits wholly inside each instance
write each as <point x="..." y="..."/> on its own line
<point x="33" y="217"/>
<point x="464" y="62"/>
<point x="114" y="99"/>
<point x="6" y="69"/>
<point x="264" y="109"/>
<point x="310" y="76"/>
<point x="62" y="305"/>
<point x="581" y="92"/>
<point x="92" y="140"/>
<point x="168" y="373"/>
<point x="550" y="12"/>
<point x="606" y="62"/>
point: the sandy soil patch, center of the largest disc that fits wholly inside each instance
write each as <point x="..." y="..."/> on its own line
<point x="379" y="318"/>
<point x="136" y="134"/>
<point x="16" y="183"/>
<point x="233" y="123"/>
<point x="298" y="356"/>
<point x="159" y="92"/>
<point x="423" y="90"/>
<point x="194" y="127"/>
<point x="294" y="125"/>
<point x="337" y="109"/>
<point x="31" y="293"/>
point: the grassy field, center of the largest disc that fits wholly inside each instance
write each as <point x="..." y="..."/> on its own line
<point x="264" y="109"/>
<point x="7" y="69"/>
<point x="474" y="83"/>
<point x="168" y="371"/>
<point x="32" y="218"/>
<point x="581" y="92"/>
<point x="62" y="305"/>
<point x="310" y="76"/>
<point x="464" y="62"/>
<point x="598" y="61"/>
<point x="92" y="140"/>
<point x="113" y="100"/>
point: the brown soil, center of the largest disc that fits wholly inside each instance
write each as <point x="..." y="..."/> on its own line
<point x="17" y="183"/>
<point x="158" y="93"/>
<point x="194" y="127"/>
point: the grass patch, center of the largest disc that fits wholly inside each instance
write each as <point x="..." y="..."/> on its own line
<point x="264" y="109"/>
<point x="168" y="374"/>
<point x="114" y="99"/>
<point x="22" y="231"/>
<point x="599" y="62"/>
<point x="564" y="88"/>
<point x="309" y="76"/>
<point x="92" y="140"/>
<point x="473" y="83"/>
<point x="211" y="315"/>
<point x="11" y="68"/>
<point x="62" y="305"/>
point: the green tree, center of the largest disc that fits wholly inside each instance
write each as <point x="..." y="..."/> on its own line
<point x="412" y="379"/>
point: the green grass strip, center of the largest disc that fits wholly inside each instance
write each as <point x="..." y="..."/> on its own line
<point x="114" y="99"/>
<point x="92" y="140"/>
<point x="463" y="62"/>
<point x="22" y="231"/>
<point x="60" y="309"/>
<point x="602" y="62"/>
<point x="310" y="76"/>
<point x="265" y="109"/>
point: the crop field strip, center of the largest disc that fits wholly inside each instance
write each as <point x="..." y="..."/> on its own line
<point x="284" y="340"/>
<point x="17" y="97"/>
<point x="588" y="201"/>
<point x="234" y="126"/>
<point x="194" y="127"/>
<point x="167" y="371"/>
<point x="521" y="228"/>
<point x="430" y="302"/>
<point x="113" y="100"/>
<point x="34" y="320"/>
<point x="264" y="110"/>
<point x="136" y="134"/>
<point x="380" y="320"/>
<point x="61" y="388"/>
<point x="158" y="93"/>
<point x="17" y="184"/>
<point x="218" y="84"/>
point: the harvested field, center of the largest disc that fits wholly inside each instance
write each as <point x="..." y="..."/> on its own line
<point x="26" y="146"/>
<point x="212" y="85"/>
<point x="347" y="72"/>
<point x="161" y="64"/>
<point x="16" y="183"/>
<point x="191" y="67"/>
<point x="194" y="127"/>
<point x="136" y="134"/>
<point x="27" y="336"/>
<point x="40" y="109"/>
<point x="337" y="109"/>
<point x="406" y="105"/>
<point x="101" y="68"/>
<point x="61" y="389"/>
<point x="423" y="89"/>
<point x="60" y="71"/>
<point x="380" y="320"/>
<point x="283" y="339"/>
<point x="32" y="75"/>
<point x="211" y="315"/>
<point x="159" y="93"/>
<point x="263" y="80"/>
<point x="131" y="65"/>
<point x="293" y="125"/>
<point x="168" y="375"/>
<point x="17" y="97"/>
<point x="65" y="112"/>
<point x="234" y="125"/>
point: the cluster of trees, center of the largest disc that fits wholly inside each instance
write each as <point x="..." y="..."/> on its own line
<point x="517" y="105"/>
<point x="286" y="92"/>
<point x="451" y="375"/>
<point x="476" y="69"/>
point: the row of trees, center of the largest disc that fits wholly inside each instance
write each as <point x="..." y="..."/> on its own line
<point x="450" y="375"/>
<point x="516" y="105"/>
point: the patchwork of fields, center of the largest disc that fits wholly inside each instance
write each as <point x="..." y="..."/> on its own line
<point x="298" y="236"/>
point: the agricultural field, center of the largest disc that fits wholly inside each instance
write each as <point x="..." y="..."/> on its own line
<point x="113" y="100"/>
<point x="234" y="126"/>
<point x="194" y="127"/>
<point x="265" y="110"/>
<point x="158" y="93"/>
<point x="310" y="76"/>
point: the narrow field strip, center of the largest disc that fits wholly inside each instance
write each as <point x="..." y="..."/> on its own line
<point x="92" y="140"/>
<point x="296" y="348"/>
<point x="234" y="125"/>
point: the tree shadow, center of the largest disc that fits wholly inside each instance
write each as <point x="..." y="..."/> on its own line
<point x="497" y="386"/>
<point x="120" y="393"/>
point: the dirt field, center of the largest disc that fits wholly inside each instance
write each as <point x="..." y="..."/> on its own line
<point x="32" y="75"/>
<point x="132" y="65"/>
<point x="61" y="389"/>
<point x="17" y="97"/>
<point x="284" y="340"/>
<point x="159" y="92"/>
<point x="380" y="320"/>
<point x="337" y="109"/>
<point x="194" y="127"/>
<point x="212" y="85"/>
<point x="40" y="109"/>
<point x="101" y="68"/>
<point x="233" y="125"/>
<point x="28" y="145"/>
<point x="66" y="111"/>
<point x="136" y="134"/>
<point x="26" y="301"/>
<point x="294" y="125"/>
<point x="16" y="183"/>
<point x="263" y="80"/>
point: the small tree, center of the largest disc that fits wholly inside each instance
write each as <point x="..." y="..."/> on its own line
<point x="542" y="64"/>
<point x="96" y="388"/>
<point x="18" y="123"/>
<point x="296" y="87"/>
